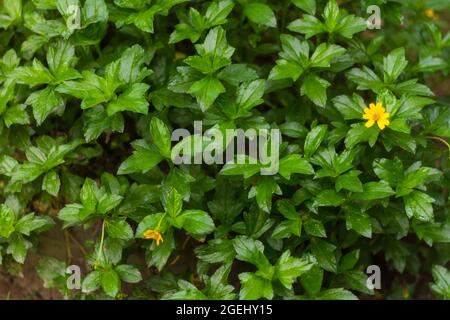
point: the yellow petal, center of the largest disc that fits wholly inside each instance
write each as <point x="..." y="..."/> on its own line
<point x="382" y="123"/>
<point x="366" y="110"/>
<point x="385" y="115"/>
<point x="380" y="108"/>
<point x="369" y="123"/>
<point x="372" y="105"/>
<point x="367" y="116"/>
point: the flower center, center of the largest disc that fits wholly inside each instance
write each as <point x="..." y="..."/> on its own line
<point x="376" y="116"/>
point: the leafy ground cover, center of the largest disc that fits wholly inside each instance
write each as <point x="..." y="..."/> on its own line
<point x="91" y="91"/>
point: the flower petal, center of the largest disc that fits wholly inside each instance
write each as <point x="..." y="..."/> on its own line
<point x="382" y="123"/>
<point x="369" y="123"/>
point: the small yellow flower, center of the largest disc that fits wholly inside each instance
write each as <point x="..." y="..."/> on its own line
<point x="431" y="14"/>
<point x="376" y="113"/>
<point x="179" y="56"/>
<point x="153" y="234"/>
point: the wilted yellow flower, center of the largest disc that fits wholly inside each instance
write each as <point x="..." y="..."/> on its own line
<point x="376" y="113"/>
<point x="153" y="234"/>
<point x="431" y="14"/>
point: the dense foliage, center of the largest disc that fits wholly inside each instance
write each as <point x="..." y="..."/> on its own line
<point x="90" y="91"/>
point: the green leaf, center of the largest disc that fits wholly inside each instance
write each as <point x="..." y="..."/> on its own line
<point x="430" y="64"/>
<point x="61" y="58"/>
<point x="108" y="202"/>
<point x="7" y="221"/>
<point x="324" y="54"/>
<point x="159" y="255"/>
<point x="433" y="232"/>
<point x="315" y="88"/>
<point x="44" y="103"/>
<point x="294" y="163"/>
<point x="308" y="25"/>
<point x="87" y="195"/>
<point x="217" y="12"/>
<point x="261" y="14"/>
<point x="142" y="160"/>
<point x="91" y="89"/>
<point x="314" y="228"/>
<point x="307" y="5"/>
<point x="94" y="11"/>
<point x="287" y="228"/>
<point x="284" y="70"/>
<point x="359" y="221"/>
<point x="237" y="73"/>
<point x="252" y="251"/>
<point x="30" y="222"/>
<point x="349" y="181"/>
<point x="51" y="183"/>
<point x="373" y="191"/>
<point x="133" y="99"/>
<point x="394" y="64"/>
<point x="312" y="280"/>
<point x="254" y="287"/>
<point x="150" y="222"/>
<point x="33" y="75"/>
<point x="441" y="284"/>
<point x="288" y="268"/>
<point x="328" y="198"/>
<point x="366" y="79"/>
<point x="349" y="261"/>
<point x="350" y="107"/>
<point x="389" y="170"/>
<point x="263" y="191"/>
<point x="349" y="25"/>
<point x="206" y="91"/>
<point x="185" y="291"/>
<point x="91" y="282"/>
<point x="161" y="136"/>
<point x="196" y="222"/>
<point x="119" y="229"/>
<point x="18" y="248"/>
<point x="173" y="203"/>
<point x="128" y="273"/>
<point x="110" y="282"/>
<point x="97" y="121"/>
<point x="250" y="95"/>
<point x="331" y="15"/>
<point x="17" y="114"/>
<point x="246" y="169"/>
<point x="324" y="253"/>
<point x="314" y="139"/>
<point x="337" y="294"/>
<point x="359" y="133"/>
<point x="418" y="205"/>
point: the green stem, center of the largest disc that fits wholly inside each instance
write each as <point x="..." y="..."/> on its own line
<point x="441" y="140"/>
<point x="100" y="249"/>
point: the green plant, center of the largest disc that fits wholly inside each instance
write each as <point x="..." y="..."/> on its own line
<point x="92" y="90"/>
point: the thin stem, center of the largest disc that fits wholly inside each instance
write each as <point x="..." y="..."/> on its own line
<point x="441" y="140"/>
<point x="68" y="248"/>
<point x="100" y="249"/>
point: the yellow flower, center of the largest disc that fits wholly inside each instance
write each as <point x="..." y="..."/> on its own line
<point x="431" y="14"/>
<point x="179" y="56"/>
<point x="153" y="234"/>
<point x="376" y="113"/>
